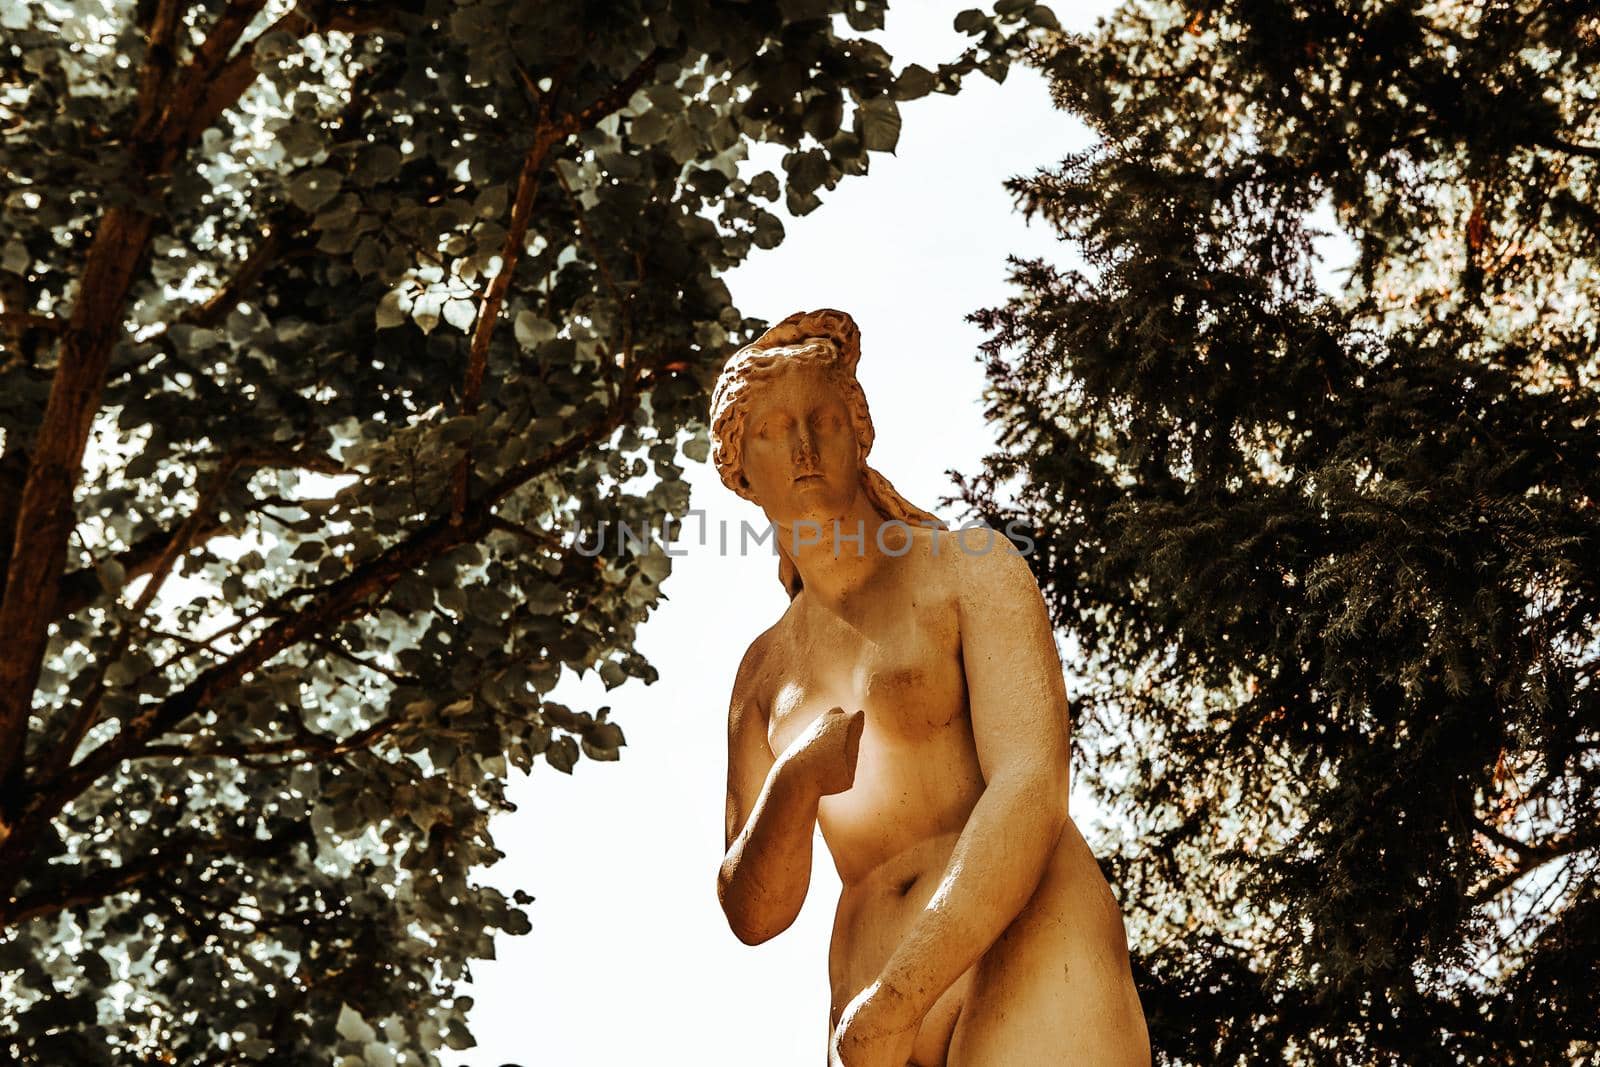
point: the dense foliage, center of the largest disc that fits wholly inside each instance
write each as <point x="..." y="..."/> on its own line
<point x="1328" y="546"/>
<point x="327" y="331"/>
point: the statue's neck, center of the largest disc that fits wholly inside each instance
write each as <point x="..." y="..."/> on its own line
<point x="837" y="556"/>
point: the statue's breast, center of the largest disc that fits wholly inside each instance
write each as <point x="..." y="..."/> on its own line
<point x="795" y="703"/>
<point x="910" y="683"/>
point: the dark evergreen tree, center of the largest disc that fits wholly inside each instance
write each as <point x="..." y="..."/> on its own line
<point x="1329" y="550"/>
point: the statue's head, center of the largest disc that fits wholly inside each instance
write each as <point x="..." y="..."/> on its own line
<point x="790" y="429"/>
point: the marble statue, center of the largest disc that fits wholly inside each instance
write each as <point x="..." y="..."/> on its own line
<point x="910" y="701"/>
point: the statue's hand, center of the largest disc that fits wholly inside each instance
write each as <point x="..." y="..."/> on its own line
<point x="826" y="753"/>
<point x="877" y="1029"/>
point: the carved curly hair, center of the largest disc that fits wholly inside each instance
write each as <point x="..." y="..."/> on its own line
<point x="827" y="339"/>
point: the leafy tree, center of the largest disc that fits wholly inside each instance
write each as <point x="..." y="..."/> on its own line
<point x="327" y="330"/>
<point x="1328" y="548"/>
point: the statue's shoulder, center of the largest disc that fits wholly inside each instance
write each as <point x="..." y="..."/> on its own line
<point x="754" y="665"/>
<point x="983" y="562"/>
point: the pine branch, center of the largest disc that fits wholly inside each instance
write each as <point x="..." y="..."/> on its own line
<point x="1532" y="856"/>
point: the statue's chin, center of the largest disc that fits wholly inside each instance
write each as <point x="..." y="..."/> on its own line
<point x="818" y="509"/>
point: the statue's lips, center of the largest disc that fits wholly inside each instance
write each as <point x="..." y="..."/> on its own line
<point x="805" y="479"/>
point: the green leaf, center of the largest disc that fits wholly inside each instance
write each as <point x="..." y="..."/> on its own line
<point x="312" y="190"/>
<point x="607" y="735"/>
<point x="648" y="128"/>
<point x="765" y="185"/>
<point x="768" y="230"/>
<point x="878" y="124"/>
<point x="971" y="20"/>
<point x="389" y="313"/>
<point x="129" y="668"/>
<point x="562" y="754"/>
<point x="377" y="163"/>
<point x="807" y="170"/>
<point x="14" y="257"/>
<point x="1039" y="15"/>
<point x="352" y="1027"/>
<point x="800" y="203"/>
<point x="865" y="15"/>
<point x="112" y="576"/>
<point x="531" y="330"/>
<point x="460" y="314"/>
<point x="823" y="114"/>
<point x="913" y="83"/>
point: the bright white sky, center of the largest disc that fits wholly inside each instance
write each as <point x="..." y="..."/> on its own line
<point x="630" y="959"/>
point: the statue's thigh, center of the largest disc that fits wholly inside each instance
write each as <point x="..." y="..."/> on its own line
<point x="1042" y="998"/>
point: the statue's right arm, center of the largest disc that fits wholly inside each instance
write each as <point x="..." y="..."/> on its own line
<point x="771" y="815"/>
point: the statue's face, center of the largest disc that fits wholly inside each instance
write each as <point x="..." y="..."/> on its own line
<point x="800" y="451"/>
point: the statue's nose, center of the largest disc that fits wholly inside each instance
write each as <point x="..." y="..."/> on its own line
<point x="805" y="452"/>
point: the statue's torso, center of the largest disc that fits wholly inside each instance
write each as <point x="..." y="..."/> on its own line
<point x="898" y="658"/>
<point x="894" y="651"/>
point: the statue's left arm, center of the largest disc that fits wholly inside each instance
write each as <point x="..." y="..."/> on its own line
<point x="1018" y="705"/>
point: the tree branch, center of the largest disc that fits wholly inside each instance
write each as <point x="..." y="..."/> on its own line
<point x="294" y="459"/>
<point x="29" y="320"/>
<point x="1532" y="856"/>
<point x="547" y="135"/>
<point x="342" y="599"/>
<point x="312" y="746"/>
<point x="538" y="540"/>
<point x="95" y="888"/>
<point x="618" y="94"/>
<point x="44" y="516"/>
<point x="13" y="475"/>
<point x="80" y="588"/>
<point x="215" y="309"/>
<point x="121" y="240"/>
<point x="160" y="59"/>
<point x="88" y="710"/>
<point x="331" y="645"/>
<point x="239" y="73"/>
<point x="1498" y="836"/>
<point x="489" y="311"/>
<point x="1555" y="143"/>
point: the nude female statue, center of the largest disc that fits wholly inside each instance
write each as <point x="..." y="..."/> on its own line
<point x="911" y="702"/>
